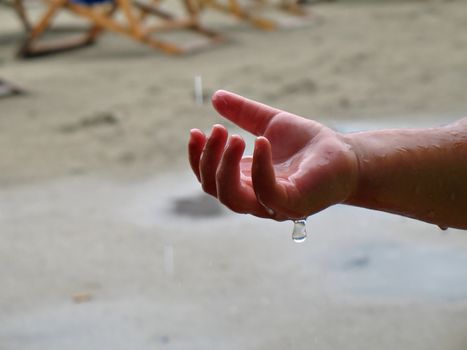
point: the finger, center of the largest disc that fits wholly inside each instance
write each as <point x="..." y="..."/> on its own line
<point x="248" y="114"/>
<point x="268" y="191"/>
<point x="195" y="148"/>
<point x="210" y="158"/>
<point x="230" y="191"/>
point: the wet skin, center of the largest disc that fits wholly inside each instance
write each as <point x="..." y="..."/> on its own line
<point x="300" y="167"/>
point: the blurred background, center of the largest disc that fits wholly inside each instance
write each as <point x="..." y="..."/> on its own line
<point x="107" y="241"/>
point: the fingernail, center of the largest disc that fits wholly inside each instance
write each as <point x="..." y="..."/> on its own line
<point x="219" y="99"/>
<point x="216" y="128"/>
<point x="233" y="139"/>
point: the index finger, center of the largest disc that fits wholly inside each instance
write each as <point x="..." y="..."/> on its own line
<point x="250" y="115"/>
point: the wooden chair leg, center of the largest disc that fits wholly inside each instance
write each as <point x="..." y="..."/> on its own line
<point x="152" y="9"/>
<point x="132" y="29"/>
<point x="133" y="13"/>
<point x="44" y="22"/>
<point x="96" y="30"/>
<point x="233" y="8"/>
<point x="171" y="22"/>
<point x="130" y="17"/>
<point x="26" y="49"/>
<point x="31" y="48"/>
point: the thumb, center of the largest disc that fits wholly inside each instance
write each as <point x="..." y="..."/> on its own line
<point x="250" y="115"/>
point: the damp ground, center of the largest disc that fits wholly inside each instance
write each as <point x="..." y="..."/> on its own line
<point x="96" y="263"/>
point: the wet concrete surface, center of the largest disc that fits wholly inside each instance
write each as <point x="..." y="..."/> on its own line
<point x="196" y="206"/>
<point x="163" y="266"/>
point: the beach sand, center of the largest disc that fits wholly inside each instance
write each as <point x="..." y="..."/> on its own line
<point x="107" y="242"/>
<point x="119" y="105"/>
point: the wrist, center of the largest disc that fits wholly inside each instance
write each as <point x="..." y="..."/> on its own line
<point x="355" y="157"/>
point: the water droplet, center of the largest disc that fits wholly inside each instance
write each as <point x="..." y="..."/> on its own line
<point x="444" y="228"/>
<point x="299" y="231"/>
<point x="199" y="98"/>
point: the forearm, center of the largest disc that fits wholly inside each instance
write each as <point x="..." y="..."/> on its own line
<point x="415" y="173"/>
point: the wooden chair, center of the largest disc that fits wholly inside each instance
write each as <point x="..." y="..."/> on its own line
<point x="101" y="15"/>
<point x="236" y="9"/>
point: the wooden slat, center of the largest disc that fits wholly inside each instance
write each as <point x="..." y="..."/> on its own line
<point x="101" y="19"/>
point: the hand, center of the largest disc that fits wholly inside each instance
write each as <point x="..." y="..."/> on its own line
<point x="298" y="168"/>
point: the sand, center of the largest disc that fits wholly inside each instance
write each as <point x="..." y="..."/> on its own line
<point x="119" y="105"/>
<point x="98" y="244"/>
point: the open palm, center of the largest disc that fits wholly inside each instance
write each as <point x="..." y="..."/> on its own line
<point x="298" y="167"/>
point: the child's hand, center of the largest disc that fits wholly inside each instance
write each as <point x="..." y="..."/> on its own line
<point x="298" y="168"/>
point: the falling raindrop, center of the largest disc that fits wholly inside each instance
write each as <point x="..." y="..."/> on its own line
<point x="299" y="231"/>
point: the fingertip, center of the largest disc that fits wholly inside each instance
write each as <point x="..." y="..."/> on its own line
<point x="195" y="148"/>
<point x="262" y="140"/>
<point x="262" y="145"/>
<point x="234" y="150"/>
<point x="226" y="102"/>
<point x="196" y="134"/>
<point x="236" y="140"/>
<point x="221" y="94"/>
<point x="218" y="132"/>
<point x="218" y="126"/>
<point x="219" y="99"/>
